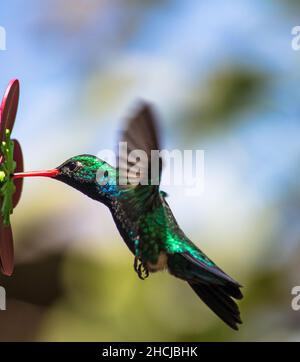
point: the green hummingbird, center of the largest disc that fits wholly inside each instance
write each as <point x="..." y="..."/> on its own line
<point x="144" y="218"/>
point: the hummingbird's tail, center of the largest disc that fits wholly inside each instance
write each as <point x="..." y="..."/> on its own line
<point x="215" y="288"/>
<point x="219" y="299"/>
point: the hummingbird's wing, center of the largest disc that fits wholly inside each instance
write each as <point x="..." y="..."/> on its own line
<point x="139" y="168"/>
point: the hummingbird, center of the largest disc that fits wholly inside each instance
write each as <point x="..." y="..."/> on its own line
<point x="144" y="218"/>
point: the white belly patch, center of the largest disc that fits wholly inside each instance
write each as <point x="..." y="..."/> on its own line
<point x="161" y="263"/>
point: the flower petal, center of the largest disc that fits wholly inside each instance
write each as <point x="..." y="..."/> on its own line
<point x="6" y="250"/>
<point x="18" y="157"/>
<point x="9" y="107"/>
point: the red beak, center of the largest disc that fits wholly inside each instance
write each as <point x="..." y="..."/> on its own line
<point x="46" y="173"/>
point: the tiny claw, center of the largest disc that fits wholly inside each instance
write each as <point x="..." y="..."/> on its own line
<point x="140" y="268"/>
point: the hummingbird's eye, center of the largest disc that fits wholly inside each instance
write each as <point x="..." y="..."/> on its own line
<point x="73" y="166"/>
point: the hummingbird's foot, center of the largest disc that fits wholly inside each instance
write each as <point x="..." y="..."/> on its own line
<point x="140" y="268"/>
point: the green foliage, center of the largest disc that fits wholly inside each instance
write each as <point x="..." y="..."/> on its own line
<point x="7" y="169"/>
<point x="222" y="100"/>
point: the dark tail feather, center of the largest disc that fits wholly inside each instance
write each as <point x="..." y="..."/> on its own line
<point x="233" y="291"/>
<point x="219" y="299"/>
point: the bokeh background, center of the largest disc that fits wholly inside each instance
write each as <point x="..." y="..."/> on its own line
<point x="224" y="78"/>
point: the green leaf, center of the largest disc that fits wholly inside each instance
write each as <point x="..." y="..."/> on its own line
<point x="7" y="187"/>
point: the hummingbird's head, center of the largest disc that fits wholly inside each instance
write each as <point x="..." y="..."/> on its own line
<point x="82" y="169"/>
<point x="86" y="173"/>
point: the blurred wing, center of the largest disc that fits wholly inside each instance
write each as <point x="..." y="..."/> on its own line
<point x="141" y="134"/>
<point x="139" y="169"/>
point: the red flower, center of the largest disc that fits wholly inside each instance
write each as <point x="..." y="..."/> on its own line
<point x="8" y="111"/>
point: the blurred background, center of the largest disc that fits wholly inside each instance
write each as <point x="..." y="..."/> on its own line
<point x="224" y="79"/>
